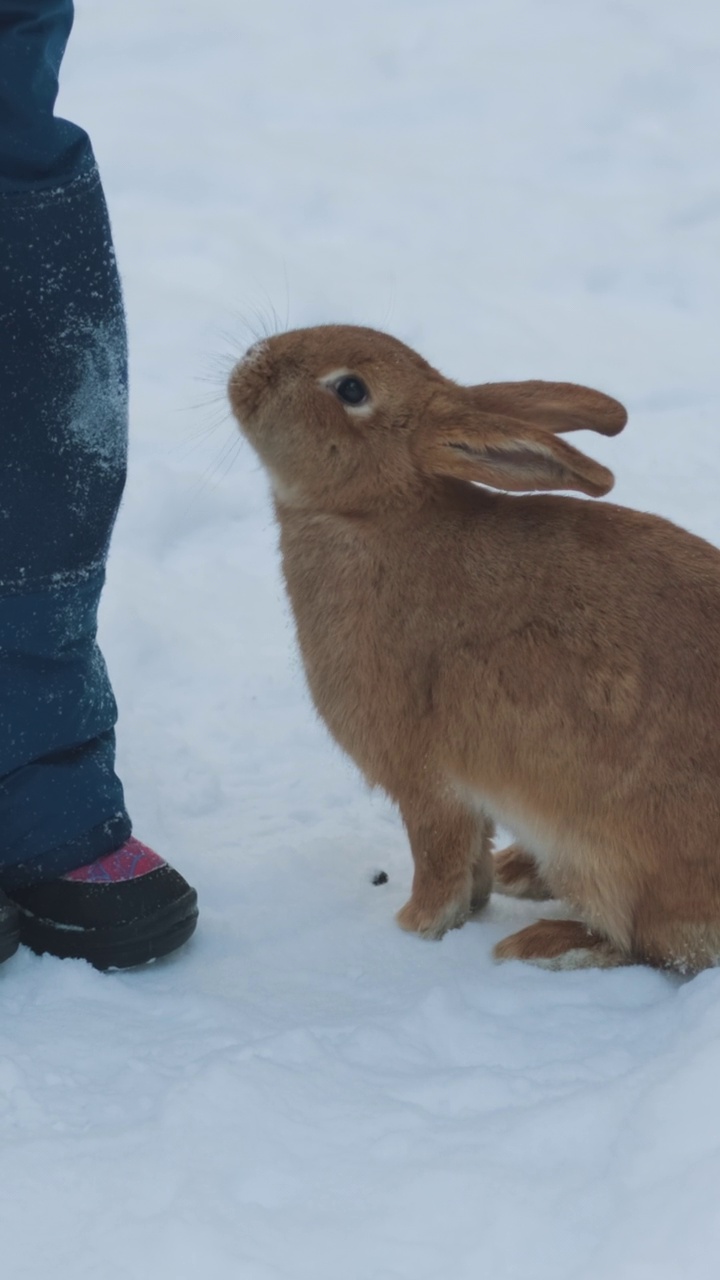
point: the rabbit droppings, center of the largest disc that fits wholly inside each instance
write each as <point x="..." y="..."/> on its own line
<point x="530" y="659"/>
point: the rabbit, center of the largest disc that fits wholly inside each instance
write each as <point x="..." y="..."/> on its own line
<point x="487" y="654"/>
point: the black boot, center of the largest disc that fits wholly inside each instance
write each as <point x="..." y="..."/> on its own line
<point x="9" y="928"/>
<point x="122" y="910"/>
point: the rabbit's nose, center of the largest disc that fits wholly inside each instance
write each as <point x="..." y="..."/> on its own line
<point x="253" y="354"/>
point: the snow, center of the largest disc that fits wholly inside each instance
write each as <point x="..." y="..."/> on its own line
<point x="517" y="189"/>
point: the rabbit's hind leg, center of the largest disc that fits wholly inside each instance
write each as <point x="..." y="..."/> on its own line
<point x="562" y="944"/>
<point x="517" y="875"/>
<point x="686" y="948"/>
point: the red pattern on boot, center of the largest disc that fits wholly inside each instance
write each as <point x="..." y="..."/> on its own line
<point x="129" y="862"/>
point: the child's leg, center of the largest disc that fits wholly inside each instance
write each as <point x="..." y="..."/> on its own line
<point x="63" y="432"/>
<point x="63" y="436"/>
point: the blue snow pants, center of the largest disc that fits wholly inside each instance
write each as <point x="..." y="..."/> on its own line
<point x="63" y="434"/>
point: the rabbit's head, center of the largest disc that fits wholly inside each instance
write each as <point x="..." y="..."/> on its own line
<point x="348" y="419"/>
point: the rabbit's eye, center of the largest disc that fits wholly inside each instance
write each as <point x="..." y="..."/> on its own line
<point x="351" y="391"/>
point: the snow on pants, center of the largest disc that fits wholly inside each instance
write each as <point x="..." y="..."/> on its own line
<point x="63" y="433"/>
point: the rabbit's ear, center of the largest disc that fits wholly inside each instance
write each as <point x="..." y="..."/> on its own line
<point x="554" y="406"/>
<point x="512" y="456"/>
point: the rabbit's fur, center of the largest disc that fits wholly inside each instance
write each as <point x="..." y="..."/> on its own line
<point x="537" y="660"/>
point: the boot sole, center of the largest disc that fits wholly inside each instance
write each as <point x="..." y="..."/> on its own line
<point x="118" y="946"/>
<point x="9" y="942"/>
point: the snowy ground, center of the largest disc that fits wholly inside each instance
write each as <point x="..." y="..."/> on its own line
<point x="519" y="189"/>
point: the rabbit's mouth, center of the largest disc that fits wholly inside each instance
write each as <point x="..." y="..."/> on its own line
<point x="248" y="383"/>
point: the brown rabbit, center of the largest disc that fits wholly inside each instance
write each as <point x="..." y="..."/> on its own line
<point x="541" y="661"/>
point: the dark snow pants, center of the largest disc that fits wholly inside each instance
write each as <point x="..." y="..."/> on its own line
<point x="63" y="432"/>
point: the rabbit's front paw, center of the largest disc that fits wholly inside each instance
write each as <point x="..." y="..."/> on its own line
<point x="433" y="922"/>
